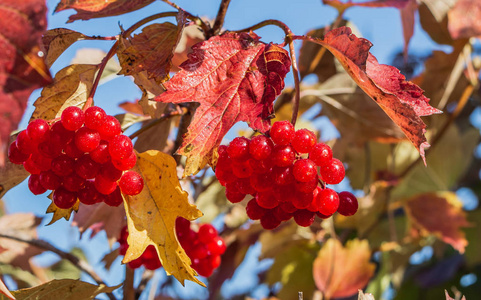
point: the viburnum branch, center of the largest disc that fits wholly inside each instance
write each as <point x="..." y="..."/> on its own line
<point x="295" y="72"/>
<point x="205" y="27"/>
<point x="183" y="125"/>
<point x="77" y="262"/>
<point x="259" y="25"/>
<point x="128" y="287"/>
<point x="162" y="118"/>
<point x="219" y="20"/>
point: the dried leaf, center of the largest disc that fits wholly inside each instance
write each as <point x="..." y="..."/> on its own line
<point x="362" y="296"/>
<point x="11" y="175"/>
<point x="401" y="100"/>
<point x="57" y="40"/>
<point x="71" y="87"/>
<point x="4" y="290"/>
<point x="100" y="217"/>
<point x="433" y="15"/>
<point x="89" y="9"/>
<point x="341" y="271"/>
<point x="64" y="289"/>
<point x="59" y="213"/>
<point x="445" y="217"/>
<point x="22" y="69"/>
<point x="235" y="78"/>
<point x="23" y="226"/>
<point x="152" y="50"/>
<point x="191" y="35"/>
<point x="110" y="257"/>
<point x="464" y="19"/>
<point x="151" y="215"/>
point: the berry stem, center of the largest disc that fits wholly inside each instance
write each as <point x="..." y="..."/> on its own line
<point x="295" y="71"/>
<point x="128" y="287"/>
<point x="219" y="20"/>
<point x="264" y="23"/>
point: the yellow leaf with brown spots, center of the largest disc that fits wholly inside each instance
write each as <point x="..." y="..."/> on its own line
<point x="59" y="213"/>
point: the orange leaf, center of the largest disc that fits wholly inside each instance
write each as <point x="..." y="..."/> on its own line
<point x="440" y="214"/>
<point x="341" y="271"/>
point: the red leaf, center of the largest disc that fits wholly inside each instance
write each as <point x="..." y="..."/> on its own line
<point x="89" y="9"/>
<point x="21" y="69"/>
<point x="407" y="17"/>
<point x="403" y="101"/>
<point x="465" y="19"/>
<point x="235" y="78"/>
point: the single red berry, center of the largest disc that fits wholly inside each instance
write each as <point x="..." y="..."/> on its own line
<point x="269" y="221"/>
<point x="322" y="216"/>
<point x="89" y="195"/>
<point x="49" y="180"/>
<point x="72" y="182"/>
<point x="214" y="261"/>
<point x="282" y="132"/>
<point x="281" y="214"/>
<point x="283" y="155"/>
<point x="302" y="200"/>
<point x="320" y="154"/>
<point x="59" y="135"/>
<point x="207" y="233"/>
<point x="267" y="200"/>
<point x="304" y="218"/>
<point x="136" y="263"/>
<point x="31" y="167"/>
<point x="15" y="155"/>
<point x="38" y="130"/>
<point x="284" y="193"/>
<point x="262" y="182"/>
<point x="125" y="163"/>
<point x="260" y="147"/>
<point x="306" y="187"/>
<point x="224" y="176"/>
<point x="242" y="169"/>
<point x="288" y="207"/>
<point x="254" y="211"/>
<point x="131" y="183"/>
<point x="42" y="162"/>
<point x="239" y="148"/>
<point x="234" y="196"/>
<point x="109" y="128"/>
<point x="120" y="147"/>
<point x="216" y="246"/>
<point x="182" y="226"/>
<point x="86" y="168"/>
<point x="101" y="154"/>
<point x="261" y="166"/>
<point x="64" y="199"/>
<point x="333" y="172"/>
<point x="104" y="186"/>
<point x="244" y="186"/>
<point x="199" y="251"/>
<point x="94" y="117"/>
<point x="110" y="172"/>
<point x="304" y="170"/>
<point x="304" y="140"/>
<point x="328" y="202"/>
<point x="62" y="165"/>
<point x="72" y="151"/>
<point x="72" y="118"/>
<point x="114" y="198"/>
<point x="87" y="139"/>
<point x="348" y="204"/>
<point x="25" y="144"/>
<point x="202" y="267"/>
<point x="49" y="149"/>
<point x="35" y="186"/>
<point x="283" y="175"/>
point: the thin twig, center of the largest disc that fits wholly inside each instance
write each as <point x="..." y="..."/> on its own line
<point x="264" y="23"/>
<point x="158" y="121"/>
<point x="295" y="72"/>
<point x="219" y="20"/>
<point x="205" y="27"/>
<point x="77" y="262"/>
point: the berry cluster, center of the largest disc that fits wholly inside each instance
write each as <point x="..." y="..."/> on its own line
<point x="281" y="173"/>
<point x="203" y="247"/>
<point x="83" y="156"/>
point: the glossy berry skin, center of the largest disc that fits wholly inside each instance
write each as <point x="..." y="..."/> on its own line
<point x="304" y="140"/>
<point x="86" y="168"/>
<point x="89" y="195"/>
<point x="131" y="183"/>
<point x="238" y="148"/>
<point x="260" y="147"/>
<point x="31" y="167"/>
<point x="126" y="163"/>
<point x="101" y="154"/>
<point x="283" y="156"/>
<point x="269" y="221"/>
<point x="333" y="172"/>
<point x="104" y="186"/>
<point x="348" y="204"/>
<point x="38" y="130"/>
<point x="114" y="198"/>
<point x="87" y="139"/>
<point x="120" y="147"/>
<point x="49" y="180"/>
<point x="35" y="186"/>
<point x="73" y="182"/>
<point x="94" y="117"/>
<point x="64" y="199"/>
<point x="267" y="200"/>
<point x="304" y="218"/>
<point x="24" y="143"/>
<point x="328" y="202"/>
<point x="109" y="128"/>
<point x="282" y="132"/>
<point x="304" y="170"/>
<point x="254" y="211"/>
<point x="72" y="118"/>
<point x="321" y="154"/>
<point x="15" y="155"/>
<point x="207" y="233"/>
<point x="62" y="165"/>
<point x="59" y="135"/>
<point x="110" y="172"/>
<point x="216" y="246"/>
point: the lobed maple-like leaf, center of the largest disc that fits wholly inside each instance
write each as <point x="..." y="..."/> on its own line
<point x="22" y="70"/>
<point x="445" y="217"/>
<point x="465" y="19"/>
<point x="152" y="50"/>
<point x="341" y="271"/>
<point x="403" y="101"/>
<point x="234" y="77"/>
<point x="151" y="215"/>
<point x="89" y="9"/>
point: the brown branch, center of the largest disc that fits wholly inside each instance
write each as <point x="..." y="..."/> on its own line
<point x="219" y="20"/>
<point x="155" y="122"/>
<point x="77" y="262"/>
<point x="295" y="72"/>
<point x="183" y="125"/>
<point x="129" y="291"/>
<point x="205" y="27"/>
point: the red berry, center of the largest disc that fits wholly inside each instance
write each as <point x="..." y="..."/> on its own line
<point x="73" y="182"/>
<point x="283" y="175"/>
<point x="25" y="144"/>
<point x="283" y="155"/>
<point x="260" y="147"/>
<point x="241" y="169"/>
<point x="182" y="226"/>
<point x="202" y="267"/>
<point x="239" y="148"/>
<point x="216" y="246"/>
<point x="333" y="172"/>
<point x="281" y="214"/>
<point x="304" y="170"/>
<point x="110" y="172"/>
<point x="136" y="263"/>
<point x="114" y="198"/>
<point x="347" y="204"/>
<point x="306" y="187"/>
<point x="15" y="155"/>
<point x="320" y="154"/>
<point x="101" y="154"/>
<point x="49" y="149"/>
<point x="214" y="261"/>
<point x="254" y="211"/>
<point x="72" y="151"/>
<point x="262" y="182"/>
<point x="199" y="251"/>
<point x="267" y="200"/>
<point x="131" y="183"/>
<point x="288" y="207"/>
<point x="31" y="167"/>
<point x="109" y="128"/>
<point x="120" y="147"/>
<point x="59" y="135"/>
<point x="35" y="186"/>
<point x="49" y="180"/>
<point x="104" y="186"/>
<point x="304" y="218"/>
<point x="86" y="168"/>
<point x="89" y="195"/>
<point x="207" y="233"/>
<point x="42" y="162"/>
<point x="234" y="196"/>
<point x="38" y="130"/>
<point x="72" y="118"/>
<point x="328" y="202"/>
<point x="304" y="141"/>
<point x="269" y="221"/>
<point x="94" y="117"/>
<point x="302" y="200"/>
<point x="125" y="163"/>
<point x="224" y="176"/>
<point x="244" y="186"/>
<point x="64" y="199"/>
<point x="62" y="165"/>
<point x="282" y="132"/>
<point x="261" y="166"/>
<point x="87" y="139"/>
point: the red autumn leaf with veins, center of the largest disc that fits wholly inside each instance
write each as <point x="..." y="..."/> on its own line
<point x="21" y="69"/>
<point x="234" y="77"/>
<point x="403" y="101"/>
<point x="89" y="9"/>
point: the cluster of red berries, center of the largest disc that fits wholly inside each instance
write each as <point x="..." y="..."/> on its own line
<point x="203" y="247"/>
<point x="83" y="156"/>
<point x="281" y="173"/>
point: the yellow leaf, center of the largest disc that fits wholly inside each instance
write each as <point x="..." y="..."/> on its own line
<point x="56" y="41"/>
<point x="4" y="290"/>
<point x="151" y="215"/>
<point x="59" y="213"/>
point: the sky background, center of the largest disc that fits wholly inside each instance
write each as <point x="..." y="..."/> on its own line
<point x="381" y="26"/>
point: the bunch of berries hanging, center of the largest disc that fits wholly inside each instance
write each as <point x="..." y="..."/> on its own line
<point x="204" y="248"/>
<point x="281" y="172"/>
<point x="83" y="156"/>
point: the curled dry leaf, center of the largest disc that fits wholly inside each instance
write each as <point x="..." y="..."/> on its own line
<point x="22" y="70"/>
<point x="59" y="213"/>
<point x="341" y="271"/>
<point x="4" y="290"/>
<point x="401" y="100"/>
<point x="445" y="218"/>
<point x="87" y="10"/>
<point x="56" y="41"/>
<point x="234" y="77"/>
<point x="151" y="215"/>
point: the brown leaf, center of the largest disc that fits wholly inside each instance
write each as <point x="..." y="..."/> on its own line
<point x="71" y="87"/>
<point x="464" y="19"/>
<point x="110" y="257"/>
<point x="11" y="175"/>
<point x="89" y="9"/>
<point x="4" y="290"/>
<point x="59" y="213"/>
<point x="433" y="15"/>
<point x="449" y="297"/>
<point x="57" y="40"/>
<point x="64" y="289"/>
<point x="445" y="217"/>
<point x="341" y="271"/>
<point x="21" y="68"/>
<point x="23" y="226"/>
<point x="152" y="50"/>
<point x="100" y="217"/>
